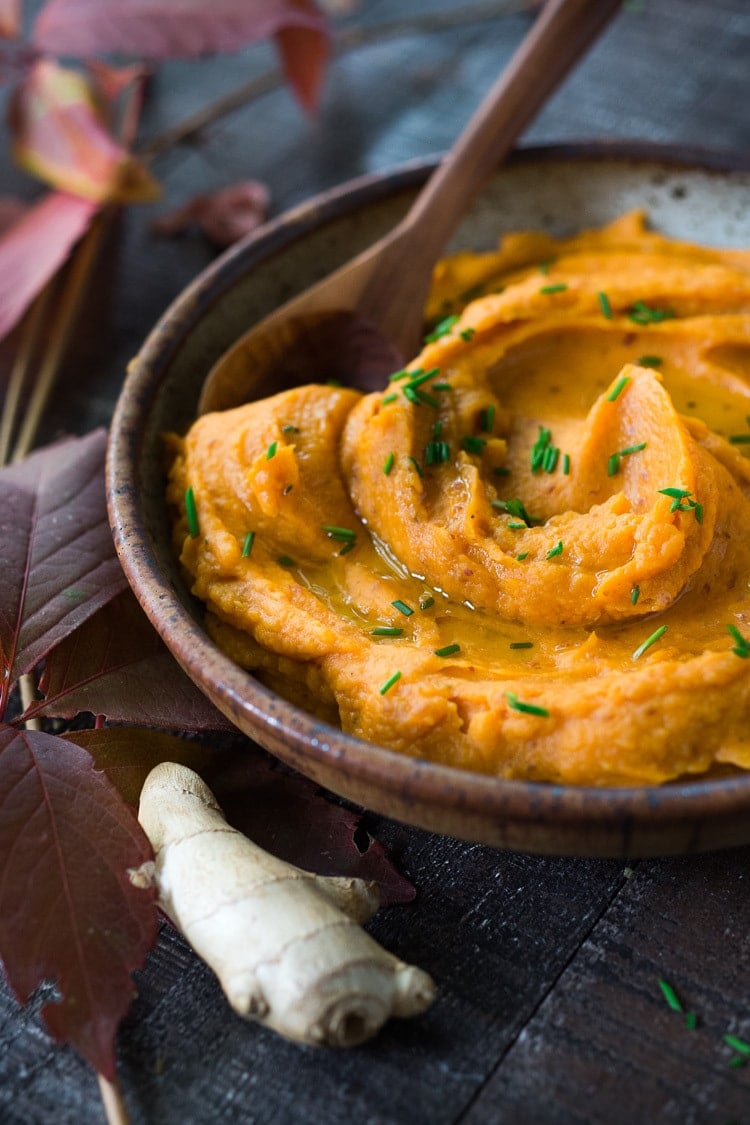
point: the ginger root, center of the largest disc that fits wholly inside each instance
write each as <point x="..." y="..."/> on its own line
<point x="286" y="945"/>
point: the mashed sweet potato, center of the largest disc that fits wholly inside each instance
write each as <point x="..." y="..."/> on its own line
<point x="529" y="555"/>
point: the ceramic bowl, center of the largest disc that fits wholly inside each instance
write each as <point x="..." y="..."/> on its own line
<point x="687" y="195"/>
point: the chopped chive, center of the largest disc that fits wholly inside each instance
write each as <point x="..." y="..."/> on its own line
<point x="501" y="471"/>
<point x="737" y="1061"/>
<point x="437" y="428"/>
<point x="289" y="429"/>
<point x="521" y="644"/>
<point x="655" y="636"/>
<point x="402" y="374"/>
<point x="437" y="452"/>
<point x="556" y="550"/>
<point x="247" y="546"/>
<point x="618" y="388"/>
<point x="544" y="266"/>
<point x="691" y="1021"/>
<point x="739" y="1045"/>
<point x="389" y="683"/>
<point x="287" y="489"/>
<point x="641" y="313"/>
<point x="442" y="328"/>
<point x="613" y="464"/>
<point x="417" y="397"/>
<point x="284" y="560"/>
<point x="426" y="602"/>
<point x="467" y="334"/>
<point x="516" y="525"/>
<point x="633" y="448"/>
<point x="635" y="594"/>
<point x="649" y="361"/>
<point x="513" y="507"/>
<point x="447" y="650"/>
<point x="389" y="463"/>
<point x="342" y="533"/>
<point x="740" y="439"/>
<point x="388" y="399"/>
<point x="670" y="996"/>
<point x="442" y="386"/>
<point x="346" y="548"/>
<point x="683" y="502"/>
<point x="550" y="458"/>
<point x="402" y="607"/>
<point x="676" y="493"/>
<point x="271" y="451"/>
<point x="334" y="383"/>
<point x="419" y="377"/>
<point x="522" y="556"/>
<point x="386" y="631"/>
<point x="604" y="305"/>
<point x="742" y="646"/>
<point x="560" y="288"/>
<point x="471" y="293"/>
<point x="526" y="708"/>
<point x="191" y="514"/>
<point x="416" y="466"/>
<point x="566" y="464"/>
<point x="473" y="444"/>
<point x="487" y="418"/>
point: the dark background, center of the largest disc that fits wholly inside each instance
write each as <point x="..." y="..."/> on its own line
<point x="548" y="1008"/>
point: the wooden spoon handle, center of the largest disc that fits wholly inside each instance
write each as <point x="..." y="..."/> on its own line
<point x="559" y="37"/>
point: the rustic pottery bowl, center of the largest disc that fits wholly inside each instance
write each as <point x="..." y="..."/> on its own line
<point x="689" y="195"/>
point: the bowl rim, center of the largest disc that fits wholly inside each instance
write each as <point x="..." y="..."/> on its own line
<point x="284" y="728"/>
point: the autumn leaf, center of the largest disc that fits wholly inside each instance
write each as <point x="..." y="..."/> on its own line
<point x="59" y="136"/>
<point x="34" y="248"/>
<point x="224" y="216"/>
<point x="68" y="912"/>
<point x="162" y="29"/>
<point x="116" y="665"/>
<point x="57" y="560"/>
<point x="286" y="814"/>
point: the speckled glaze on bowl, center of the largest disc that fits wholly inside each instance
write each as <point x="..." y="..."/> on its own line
<point x="692" y="195"/>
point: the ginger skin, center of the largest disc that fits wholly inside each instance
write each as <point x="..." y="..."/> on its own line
<point x="286" y="945"/>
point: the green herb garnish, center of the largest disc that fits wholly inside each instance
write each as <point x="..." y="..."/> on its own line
<point x="191" y="514"/>
<point x="670" y="995"/>
<point x="442" y="386"/>
<point x="741" y="645"/>
<point x="442" y="328"/>
<point x="566" y="464"/>
<point x="426" y="602"/>
<point x="691" y="1021"/>
<point x="416" y="466"/>
<point x="682" y="502"/>
<point x="655" y="636"/>
<point x="388" y="465"/>
<point x="613" y="462"/>
<point x="403" y="374"/>
<point x="549" y="460"/>
<point x="604" y="305"/>
<point x="513" y="507"/>
<point x="521" y="644"/>
<point x="526" y="708"/>
<point x="247" y="546"/>
<point x="343" y="534"/>
<point x="467" y="334"/>
<point x="285" y="560"/>
<point x="289" y="429"/>
<point x="402" y="607"/>
<point x="437" y="452"/>
<point x="522" y="556"/>
<point x="487" y="418"/>
<point x="448" y="650"/>
<point x="618" y="388"/>
<point x="556" y="550"/>
<point x="386" y="631"/>
<point x="473" y="444"/>
<point x="544" y="266"/>
<point x="271" y="451"/>
<point x="641" y="313"/>
<point x="388" y="399"/>
<point x="739" y="1045"/>
<point x="740" y="439"/>
<point x="649" y="361"/>
<point x="389" y="683"/>
<point x="635" y="594"/>
<point x="560" y="288"/>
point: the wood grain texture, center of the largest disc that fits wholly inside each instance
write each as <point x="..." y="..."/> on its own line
<point x="549" y="1009"/>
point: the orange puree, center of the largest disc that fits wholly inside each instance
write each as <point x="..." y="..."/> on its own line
<point x="535" y="561"/>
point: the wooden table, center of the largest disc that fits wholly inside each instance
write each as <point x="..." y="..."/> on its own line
<point x="549" y="1008"/>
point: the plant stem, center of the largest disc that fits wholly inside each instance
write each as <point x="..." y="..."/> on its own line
<point x="27" y="690"/>
<point x="115" y="1109"/>
<point x="19" y="372"/>
<point x="74" y="291"/>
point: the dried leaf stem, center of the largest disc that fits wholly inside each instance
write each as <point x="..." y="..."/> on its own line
<point x="114" y="1104"/>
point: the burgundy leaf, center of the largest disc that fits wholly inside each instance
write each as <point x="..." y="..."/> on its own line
<point x="292" y="818"/>
<point x="60" y="137"/>
<point x="161" y="29"/>
<point x="224" y="216"/>
<point x="34" y="248"/>
<point x="57" y="560"/>
<point x="116" y="665"/>
<point x="68" y="912"/>
<point x="284" y="813"/>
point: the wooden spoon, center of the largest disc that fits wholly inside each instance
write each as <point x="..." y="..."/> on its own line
<point x="375" y="301"/>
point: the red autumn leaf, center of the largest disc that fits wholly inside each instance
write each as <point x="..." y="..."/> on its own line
<point x="57" y="560"/>
<point x="68" y="912"/>
<point x="60" y="137"/>
<point x="10" y="18"/>
<point x="34" y="248"/>
<point x="284" y="813"/>
<point x="162" y="29"/>
<point x="224" y="216"/>
<point x="116" y="665"/>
